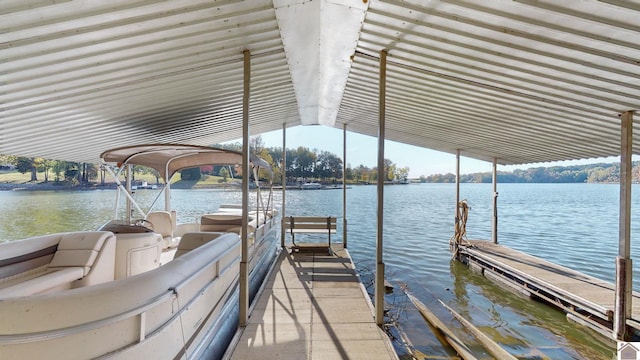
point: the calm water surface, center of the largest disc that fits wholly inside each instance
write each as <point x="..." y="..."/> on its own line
<point x="575" y="225"/>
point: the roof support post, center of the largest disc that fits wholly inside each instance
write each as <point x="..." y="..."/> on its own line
<point x="344" y="186"/>
<point x="379" y="290"/>
<point x="494" y="180"/>
<point x="284" y="182"/>
<point x="456" y="219"/>
<point x="246" y="173"/>
<point x="623" y="260"/>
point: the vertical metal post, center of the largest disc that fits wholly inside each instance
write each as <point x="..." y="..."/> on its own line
<point x="623" y="260"/>
<point x="344" y="186"/>
<point x="494" y="180"/>
<point x="128" y="175"/>
<point x="167" y="190"/>
<point x="457" y="219"/>
<point x="379" y="290"/>
<point x="246" y="173"/>
<point x="284" y="182"/>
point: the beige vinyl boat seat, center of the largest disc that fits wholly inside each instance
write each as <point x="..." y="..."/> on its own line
<point x="237" y="209"/>
<point x="225" y="222"/>
<point x="80" y="259"/>
<point x="194" y="240"/>
<point x="228" y="218"/>
<point x="163" y="223"/>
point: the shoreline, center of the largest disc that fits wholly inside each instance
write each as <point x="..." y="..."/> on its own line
<point x="51" y="187"/>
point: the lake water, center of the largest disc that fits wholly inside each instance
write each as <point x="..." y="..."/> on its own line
<point x="575" y="225"/>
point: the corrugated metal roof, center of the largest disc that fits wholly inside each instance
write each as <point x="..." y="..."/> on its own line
<point x="521" y="81"/>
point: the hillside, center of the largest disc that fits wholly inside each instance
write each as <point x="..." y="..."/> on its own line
<point x="591" y="173"/>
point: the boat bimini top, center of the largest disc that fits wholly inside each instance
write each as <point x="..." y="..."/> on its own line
<point x="167" y="159"/>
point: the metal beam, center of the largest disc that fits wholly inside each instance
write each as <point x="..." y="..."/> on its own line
<point x="457" y="186"/>
<point x="623" y="260"/>
<point x="284" y="182"/>
<point x="246" y="173"/>
<point x="167" y="190"/>
<point x="379" y="290"/>
<point x="129" y="175"/>
<point x="344" y="186"/>
<point x="494" y="225"/>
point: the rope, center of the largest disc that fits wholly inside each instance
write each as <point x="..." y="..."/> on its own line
<point x="184" y="343"/>
<point x="460" y="228"/>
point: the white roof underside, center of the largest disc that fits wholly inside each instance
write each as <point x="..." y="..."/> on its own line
<point x="521" y="81"/>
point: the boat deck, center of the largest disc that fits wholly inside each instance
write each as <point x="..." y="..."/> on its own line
<point x="586" y="299"/>
<point x="313" y="307"/>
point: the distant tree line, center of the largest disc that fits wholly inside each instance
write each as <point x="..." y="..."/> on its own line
<point x="302" y="164"/>
<point x="591" y="173"/>
<point x="63" y="172"/>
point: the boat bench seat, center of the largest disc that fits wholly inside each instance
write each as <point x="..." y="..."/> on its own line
<point x="309" y="225"/>
<point x="226" y="222"/>
<point x="80" y="259"/>
<point x="48" y="280"/>
<point x="194" y="240"/>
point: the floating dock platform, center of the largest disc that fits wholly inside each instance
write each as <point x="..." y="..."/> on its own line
<point x="313" y="307"/>
<point x="586" y="299"/>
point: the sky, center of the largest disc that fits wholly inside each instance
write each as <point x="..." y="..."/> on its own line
<point x="363" y="150"/>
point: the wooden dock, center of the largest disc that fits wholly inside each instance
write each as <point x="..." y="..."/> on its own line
<point x="585" y="299"/>
<point x="313" y="307"/>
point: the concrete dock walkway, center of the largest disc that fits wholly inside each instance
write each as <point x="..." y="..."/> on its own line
<point x="313" y="307"/>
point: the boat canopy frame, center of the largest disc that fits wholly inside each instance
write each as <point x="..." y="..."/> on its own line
<point x="168" y="159"/>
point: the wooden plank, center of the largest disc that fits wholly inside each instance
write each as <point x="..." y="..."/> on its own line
<point x="312" y="231"/>
<point x="298" y="225"/>
<point x="318" y="219"/>
<point x="442" y="332"/>
<point x="493" y="347"/>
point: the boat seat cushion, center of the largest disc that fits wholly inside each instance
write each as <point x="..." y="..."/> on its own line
<point x="79" y="249"/>
<point x="222" y="218"/>
<point x="193" y="240"/>
<point x="57" y="279"/>
<point x="226" y="222"/>
<point x="161" y="222"/>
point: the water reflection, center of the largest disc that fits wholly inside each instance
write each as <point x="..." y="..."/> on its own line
<point x="527" y="328"/>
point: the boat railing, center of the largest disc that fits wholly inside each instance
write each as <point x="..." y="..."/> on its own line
<point x="170" y="295"/>
<point x="72" y="330"/>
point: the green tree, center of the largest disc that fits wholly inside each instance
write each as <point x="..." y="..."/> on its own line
<point x="402" y="173"/>
<point x="224" y="172"/>
<point x="25" y="165"/>
<point x="58" y="167"/>
<point x="7" y="159"/>
<point x="303" y="164"/>
<point x="191" y="174"/>
<point x="349" y="173"/>
<point x="389" y="170"/>
<point x="328" y="165"/>
<point x="71" y="174"/>
<point x="44" y="165"/>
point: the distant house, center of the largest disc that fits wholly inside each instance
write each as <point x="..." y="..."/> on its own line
<point x="627" y="351"/>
